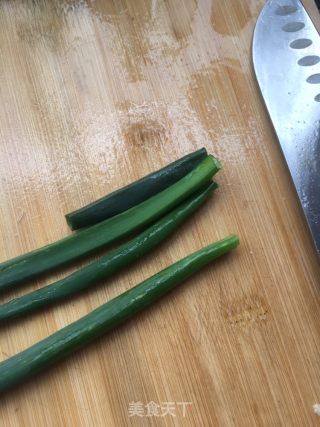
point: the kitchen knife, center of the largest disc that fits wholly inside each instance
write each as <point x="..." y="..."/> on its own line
<point x="286" y="59"/>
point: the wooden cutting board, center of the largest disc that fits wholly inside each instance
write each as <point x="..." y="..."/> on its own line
<point x="95" y="94"/>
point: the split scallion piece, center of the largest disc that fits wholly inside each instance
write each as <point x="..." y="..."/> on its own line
<point x="73" y="247"/>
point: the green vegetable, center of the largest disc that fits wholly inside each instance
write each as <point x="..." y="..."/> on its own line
<point x="74" y="336"/>
<point x="108" y="264"/>
<point x="87" y="241"/>
<point x="134" y="193"/>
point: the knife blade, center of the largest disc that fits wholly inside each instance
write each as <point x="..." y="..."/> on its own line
<point x="286" y="59"/>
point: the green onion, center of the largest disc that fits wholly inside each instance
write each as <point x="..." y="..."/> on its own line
<point x="89" y="240"/>
<point x="74" y="336"/>
<point x="126" y="197"/>
<point x="108" y="264"/>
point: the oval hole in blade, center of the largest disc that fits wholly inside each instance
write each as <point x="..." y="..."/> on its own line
<point x="317" y="97"/>
<point x="308" y="61"/>
<point x="286" y="10"/>
<point x="292" y="27"/>
<point x="301" y="43"/>
<point x="314" y="79"/>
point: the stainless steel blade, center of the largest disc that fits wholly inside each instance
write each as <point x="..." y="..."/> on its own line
<point x="286" y="58"/>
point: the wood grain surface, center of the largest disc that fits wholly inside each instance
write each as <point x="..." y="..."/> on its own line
<point x="94" y="94"/>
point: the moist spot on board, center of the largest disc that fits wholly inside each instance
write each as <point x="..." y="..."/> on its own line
<point x="145" y="132"/>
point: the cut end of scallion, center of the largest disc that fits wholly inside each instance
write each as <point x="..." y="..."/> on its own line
<point x="69" y="221"/>
<point x="217" y="163"/>
<point x="233" y="240"/>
